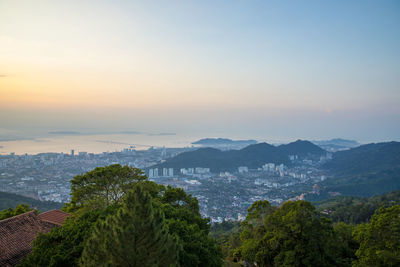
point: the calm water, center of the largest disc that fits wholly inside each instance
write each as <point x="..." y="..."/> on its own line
<point x="94" y="143"/>
<point x="107" y="143"/>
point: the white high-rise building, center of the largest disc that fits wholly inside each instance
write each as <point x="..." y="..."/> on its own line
<point x="171" y="172"/>
<point x="155" y="173"/>
<point x="165" y="172"/>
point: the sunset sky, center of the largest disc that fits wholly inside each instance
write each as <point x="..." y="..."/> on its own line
<point x="248" y="69"/>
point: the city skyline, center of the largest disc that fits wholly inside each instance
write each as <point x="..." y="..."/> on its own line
<point x="238" y="69"/>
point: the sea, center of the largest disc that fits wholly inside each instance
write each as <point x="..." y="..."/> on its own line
<point x="97" y="143"/>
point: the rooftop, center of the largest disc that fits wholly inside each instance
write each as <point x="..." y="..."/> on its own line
<point x="17" y="234"/>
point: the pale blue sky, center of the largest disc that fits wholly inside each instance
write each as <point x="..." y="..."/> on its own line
<point x="251" y="69"/>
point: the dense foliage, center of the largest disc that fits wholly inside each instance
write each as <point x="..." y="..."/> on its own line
<point x="184" y="220"/>
<point x="292" y="235"/>
<point x="171" y="215"/>
<point x="63" y="246"/>
<point x="296" y="234"/>
<point x="135" y="222"/>
<point x="136" y="236"/>
<point x="7" y="213"/>
<point x="103" y="186"/>
<point x="227" y="235"/>
<point x="379" y="239"/>
<point x="355" y="209"/>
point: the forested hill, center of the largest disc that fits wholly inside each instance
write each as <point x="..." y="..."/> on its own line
<point x="302" y="149"/>
<point x="366" y="170"/>
<point x="356" y="210"/>
<point x="252" y="156"/>
<point x="366" y="158"/>
<point x="9" y="200"/>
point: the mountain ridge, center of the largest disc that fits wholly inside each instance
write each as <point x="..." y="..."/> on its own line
<point x="252" y="156"/>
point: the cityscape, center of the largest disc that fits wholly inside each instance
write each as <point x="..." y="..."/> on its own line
<point x="221" y="195"/>
<point x="200" y="133"/>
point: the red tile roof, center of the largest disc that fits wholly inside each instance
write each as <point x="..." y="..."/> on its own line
<point x="17" y="234"/>
<point x="54" y="216"/>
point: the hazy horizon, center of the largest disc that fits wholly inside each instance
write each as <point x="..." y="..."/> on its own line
<point x="268" y="70"/>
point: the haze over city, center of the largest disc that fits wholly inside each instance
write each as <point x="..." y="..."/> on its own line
<point x="270" y="70"/>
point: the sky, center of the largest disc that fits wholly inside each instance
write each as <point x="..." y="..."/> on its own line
<point x="245" y="69"/>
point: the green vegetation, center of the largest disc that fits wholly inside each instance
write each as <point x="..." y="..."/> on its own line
<point x="22" y="208"/>
<point x="292" y="235"/>
<point x="63" y="246"/>
<point x="252" y="156"/>
<point x="103" y="186"/>
<point x="136" y="236"/>
<point x="10" y="200"/>
<point x="296" y="234"/>
<point x="148" y="224"/>
<point x="356" y="210"/>
<point x="379" y="239"/>
<point x="135" y="222"/>
<point x="365" y="171"/>
<point x="303" y="149"/>
<point x="227" y="235"/>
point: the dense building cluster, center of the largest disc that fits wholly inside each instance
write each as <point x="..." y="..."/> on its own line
<point x="222" y="195"/>
<point x="46" y="176"/>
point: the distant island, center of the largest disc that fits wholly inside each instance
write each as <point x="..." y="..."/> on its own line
<point x="65" y="133"/>
<point x="160" y="134"/>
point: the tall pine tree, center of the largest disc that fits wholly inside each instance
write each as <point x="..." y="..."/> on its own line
<point x="136" y="236"/>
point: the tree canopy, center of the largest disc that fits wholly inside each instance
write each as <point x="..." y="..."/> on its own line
<point x="63" y="246"/>
<point x="119" y="218"/>
<point x="168" y="217"/>
<point x="103" y="186"/>
<point x="7" y="213"/>
<point x="379" y="239"/>
<point x="136" y="236"/>
<point x="291" y="235"/>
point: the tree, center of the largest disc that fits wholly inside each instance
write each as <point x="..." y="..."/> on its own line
<point x="7" y="213"/>
<point x="63" y="245"/>
<point x="136" y="236"/>
<point x="292" y="235"/>
<point x="227" y="235"/>
<point x="103" y="186"/>
<point x="253" y="230"/>
<point x="184" y="220"/>
<point x="343" y="246"/>
<point x="296" y="236"/>
<point x="379" y="239"/>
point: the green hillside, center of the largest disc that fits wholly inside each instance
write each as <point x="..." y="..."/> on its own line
<point x="252" y="156"/>
<point x="356" y="209"/>
<point x="9" y="200"/>
<point x="365" y="171"/>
